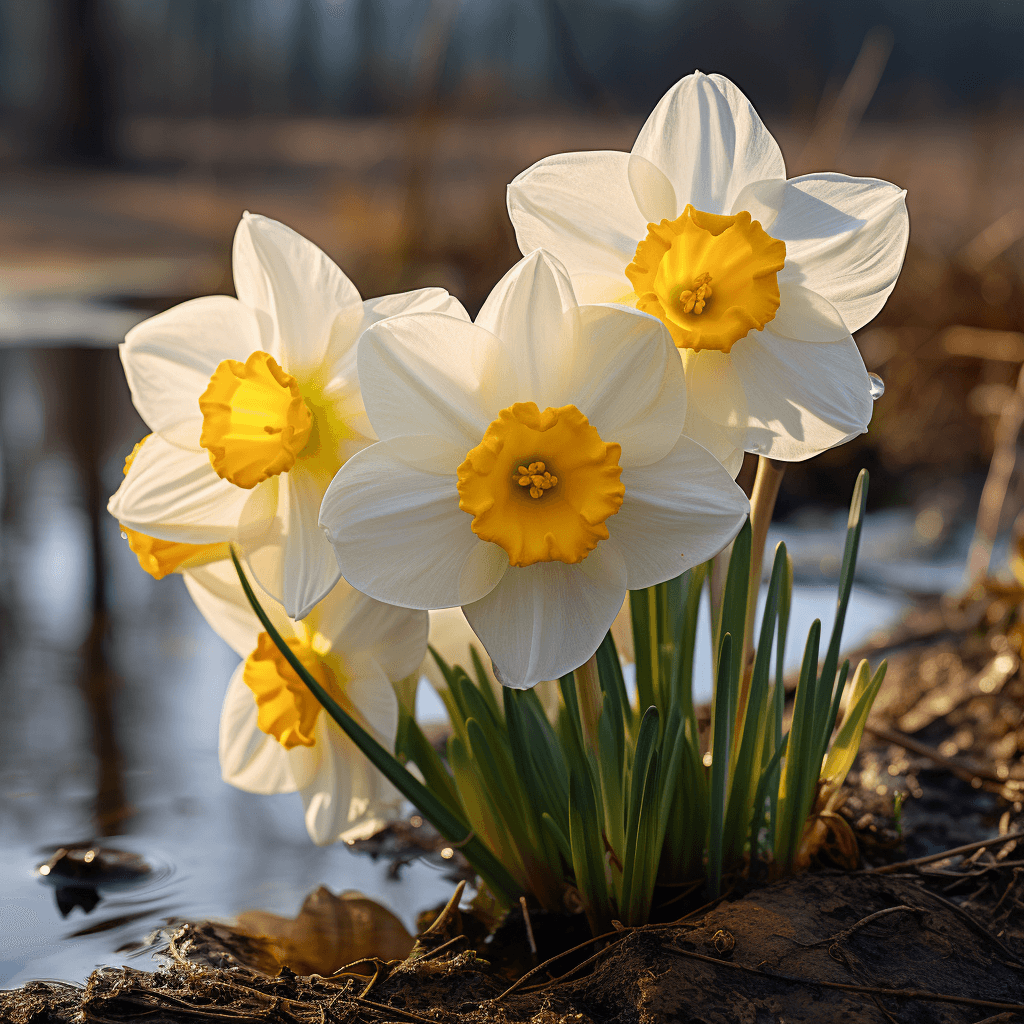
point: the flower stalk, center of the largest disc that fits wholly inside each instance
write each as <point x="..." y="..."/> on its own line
<point x="762" y="505"/>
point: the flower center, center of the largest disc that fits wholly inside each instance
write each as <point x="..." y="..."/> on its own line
<point x="518" y="503"/>
<point x="536" y="477"/>
<point x="287" y="710"/>
<point x="162" y="557"/>
<point x="675" y="264"/>
<point x="255" y="422"/>
<point x="331" y="440"/>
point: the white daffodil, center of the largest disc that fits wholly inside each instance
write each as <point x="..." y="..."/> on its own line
<point x="254" y="404"/>
<point x="531" y="467"/>
<point x="759" y="280"/>
<point x="274" y="735"/>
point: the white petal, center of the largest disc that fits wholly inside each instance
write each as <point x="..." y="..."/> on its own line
<point x="547" y="619"/>
<point x="373" y="696"/>
<point x="396" y="638"/>
<point x="295" y="288"/>
<point x="422" y="300"/>
<point x="762" y="200"/>
<point x="342" y="377"/>
<point x="526" y="311"/>
<point x="346" y="797"/>
<point x="676" y="513"/>
<point x="708" y="140"/>
<point x="594" y="288"/>
<point x="628" y="381"/>
<point x="261" y="538"/>
<point x="250" y="759"/>
<point x="327" y="795"/>
<point x="806" y="316"/>
<point x="652" y="190"/>
<point x="845" y="239"/>
<point x="392" y="514"/>
<point x="169" y="359"/>
<point x="174" y="494"/>
<point x="802" y="398"/>
<point x="452" y="637"/>
<point x="580" y="207"/>
<point x="309" y="567"/>
<point x="726" y="445"/>
<point x="425" y="373"/>
<point x="220" y="599"/>
<point x="716" y="388"/>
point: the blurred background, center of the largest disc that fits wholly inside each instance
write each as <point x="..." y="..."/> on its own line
<point x="133" y="133"/>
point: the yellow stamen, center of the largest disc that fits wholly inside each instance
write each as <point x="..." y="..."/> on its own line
<point x="536" y="477"/>
<point x="501" y="490"/>
<point x="287" y="710"/>
<point x="162" y="557"/>
<point x="255" y="423"/>
<point x="675" y="264"/>
<point x="695" y="299"/>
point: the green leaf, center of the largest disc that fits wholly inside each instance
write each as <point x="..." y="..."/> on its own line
<point x="732" y="617"/>
<point x="748" y="758"/>
<point x="560" y="838"/>
<point x="483" y="682"/>
<point x="479" y="807"/>
<point x="451" y="826"/>
<point x="616" y="700"/>
<point x="537" y="756"/>
<point x="645" y="854"/>
<point x="847" y="742"/>
<point x="612" y="776"/>
<point x="779" y="689"/>
<point x="645" y="644"/>
<point x="855" y="521"/>
<point x="417" y="748"/>
<point x="647" y="737"/>
<point x="685" y="636"/>
<point x="764" y="786"/>
<point x="724" y="715"/>
<point x="587" y="852"/>
<point x="800" y="775"/>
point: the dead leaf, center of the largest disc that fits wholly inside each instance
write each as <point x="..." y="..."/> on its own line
<point x="330" y="932"/>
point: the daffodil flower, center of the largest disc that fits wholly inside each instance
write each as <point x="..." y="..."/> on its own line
<point x="759" y="280"/>
<point x="274" y="735"/>
<point x="254" y="405"/>
<point x="531" y="467"/>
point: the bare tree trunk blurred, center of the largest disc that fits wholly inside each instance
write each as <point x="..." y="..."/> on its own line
<point x="83" y="383"/>
<point x="83" y="131"/>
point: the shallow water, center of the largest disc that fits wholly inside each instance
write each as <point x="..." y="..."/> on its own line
<point x="215" y="851"/>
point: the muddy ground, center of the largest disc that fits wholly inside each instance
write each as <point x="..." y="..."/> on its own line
<point x="915" y="934"/>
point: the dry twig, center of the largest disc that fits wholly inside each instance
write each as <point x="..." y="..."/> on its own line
<point x="887" y="869"/>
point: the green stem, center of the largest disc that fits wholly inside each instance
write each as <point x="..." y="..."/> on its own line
<point x="588" y="689"/>
<point x="762" y="505"/>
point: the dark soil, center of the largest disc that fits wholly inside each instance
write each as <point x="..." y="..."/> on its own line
<point x="781" y="953"/>
<point x="897" y="940"/>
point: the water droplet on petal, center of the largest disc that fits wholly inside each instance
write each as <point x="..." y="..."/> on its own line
<point x="877" y="387"/>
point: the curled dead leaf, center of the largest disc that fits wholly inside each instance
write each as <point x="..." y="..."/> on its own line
<point x="329" y="933"/>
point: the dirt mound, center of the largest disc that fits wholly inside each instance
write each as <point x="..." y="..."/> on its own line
<point x="824" y="947"/>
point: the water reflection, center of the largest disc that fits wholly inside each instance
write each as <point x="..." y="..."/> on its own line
<point x="111" y="685"/>
<point x="79" y="873"/>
